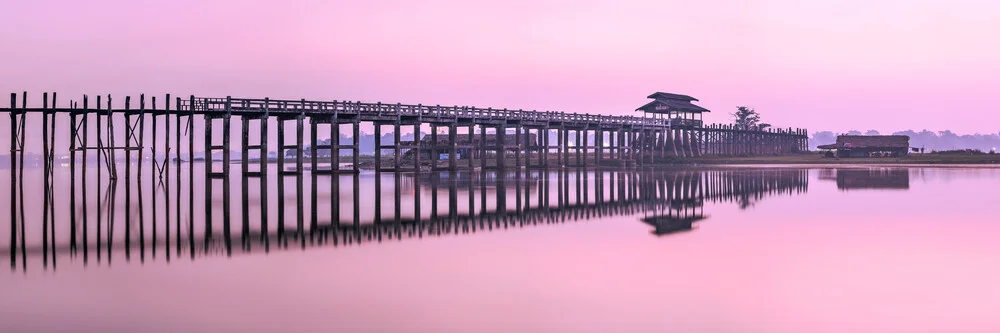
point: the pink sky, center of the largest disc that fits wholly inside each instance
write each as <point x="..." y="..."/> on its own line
<point x="824" y="65"/>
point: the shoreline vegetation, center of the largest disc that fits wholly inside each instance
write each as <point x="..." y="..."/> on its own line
<point x="817" y="158"/>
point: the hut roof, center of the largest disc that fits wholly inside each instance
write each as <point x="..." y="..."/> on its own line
<point x="873" y="141"/>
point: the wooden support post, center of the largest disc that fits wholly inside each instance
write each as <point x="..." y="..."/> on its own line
<point x="152" y="178"/>
<point x="599" y="154"/>
<point x="546" y="143"/>
<point x="564" y="145"/>
<point x="299" y="197"/>
<point x="208" y="178"/>
<point x="51" y="191"/>
<point x="396" y="152"/>
<point x="83" y="173"/>
<point x="482" y="147"/>
<point x="453" y="146"/>
<point x="245" y="177"/>
<point x="138" y="180"/>
<point x="356" y="147"/>
<point x="434" y="147"/>
<point x="264" y="157"/>
<point x="664" y="141"/>
<point x="619" y="136"/>
<point x="73" y="148"/>
<point x="378" y="197"/>
<point x="689" y="141"/>
<point x="226" y="161"/>
<point x="378" y="146"/>
<point x="578" y="149"/>
<point x="417" y="144"/>
<point x="630" y="141"/>
<point x="501" y="146"/>
<point x="128" y="171"/>
<point x="177" y="190"/>
<point x="45" y="179"/>
<point x="313" y="172"/>
<point x="529" y="146"/>
<point x="334" y="173"/>
<point x="334" y="145"/>
<point x="166" y="171"/>
<point x="102" y="159"/>
<point x="517" y="144"/>
<point x="15" y="143"/>
<point x="281" y="178"/>
<point x="190" y="126"/>
<point x="472" y="149"/>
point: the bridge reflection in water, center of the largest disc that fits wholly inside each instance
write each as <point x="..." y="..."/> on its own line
<point x="377" y="207"/>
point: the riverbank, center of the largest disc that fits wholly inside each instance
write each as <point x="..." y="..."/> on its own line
<point x="918" y="159"/>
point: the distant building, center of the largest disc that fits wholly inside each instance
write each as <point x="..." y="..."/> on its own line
<point x="869" y="146"/>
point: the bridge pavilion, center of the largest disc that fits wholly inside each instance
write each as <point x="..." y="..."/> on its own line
<point x="677" y="108"/>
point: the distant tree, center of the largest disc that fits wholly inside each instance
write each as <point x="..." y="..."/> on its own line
<point x="745" y="118"/>
<point x="871" y="132"/>
<point x="822" y="138"/>
<point x="854" y="132"/>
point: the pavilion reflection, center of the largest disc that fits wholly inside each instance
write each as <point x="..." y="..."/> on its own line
<point x="355" y="209"/>
<point x="684" y="194"/>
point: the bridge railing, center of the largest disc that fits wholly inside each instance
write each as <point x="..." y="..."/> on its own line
<point x="278" y="106"/>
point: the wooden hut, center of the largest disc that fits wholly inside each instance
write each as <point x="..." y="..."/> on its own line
<point x="678" y="108"/>
<point x="869" y="146"/>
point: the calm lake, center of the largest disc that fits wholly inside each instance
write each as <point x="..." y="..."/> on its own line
<point x="739" y="249"/>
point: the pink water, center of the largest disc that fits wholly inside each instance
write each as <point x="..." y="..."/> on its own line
<point x="916" y="258"/>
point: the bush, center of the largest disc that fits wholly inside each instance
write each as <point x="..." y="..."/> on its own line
<point x="959" y="152"/>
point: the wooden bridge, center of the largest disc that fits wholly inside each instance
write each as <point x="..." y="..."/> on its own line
<point x="581" y="140"/>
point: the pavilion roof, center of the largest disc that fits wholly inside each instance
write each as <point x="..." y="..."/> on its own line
<point x="665" y="106"/>
<point x="667" y="102"/>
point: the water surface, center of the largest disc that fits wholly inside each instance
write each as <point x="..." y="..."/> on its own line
<point x="778" y="249"/>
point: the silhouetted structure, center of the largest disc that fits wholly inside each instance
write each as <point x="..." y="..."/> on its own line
<point x="869" y="146"/>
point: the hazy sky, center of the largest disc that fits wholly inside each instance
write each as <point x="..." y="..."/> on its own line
<point x="825" y="65"/>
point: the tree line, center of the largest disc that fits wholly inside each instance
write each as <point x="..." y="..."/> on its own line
<point x="929" y="140"/>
